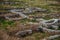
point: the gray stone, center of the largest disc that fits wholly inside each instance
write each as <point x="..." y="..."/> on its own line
<point x="24" y="33"/>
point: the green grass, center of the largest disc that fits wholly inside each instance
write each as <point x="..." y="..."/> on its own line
<point x="47" y="17"/>
<point x="27" y="20"/>
<point x="39" y="36"/>
<point x="57" y="38"/>
<point x="59" y="27"/>
<point x="5" y="23"/>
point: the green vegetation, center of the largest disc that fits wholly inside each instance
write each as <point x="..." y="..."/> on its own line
<point x="57" y="38"/>
<point x="59" y="27"/>
<point x="47" y="17"/>
<point x="39" y="36"/>
<point x="27" y="20"/>
<point x="5" y="23"/>
<point x="54" y="4"/>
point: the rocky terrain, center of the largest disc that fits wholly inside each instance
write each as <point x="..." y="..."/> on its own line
<point x="29" y="20"/>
